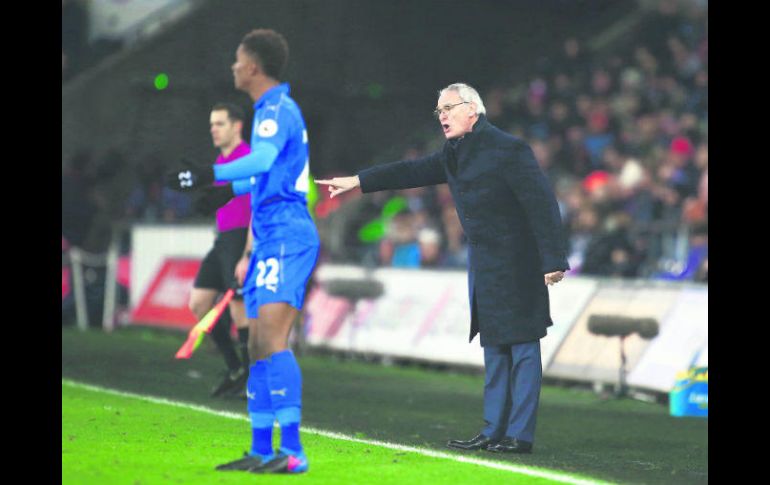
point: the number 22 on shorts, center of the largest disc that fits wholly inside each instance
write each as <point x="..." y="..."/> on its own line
<point x="267" y="274"/>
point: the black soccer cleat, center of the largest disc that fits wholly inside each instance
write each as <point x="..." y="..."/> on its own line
<point x="231" y="381"/>
<point x="247" y="463"/>
<point x="284" y="463"/>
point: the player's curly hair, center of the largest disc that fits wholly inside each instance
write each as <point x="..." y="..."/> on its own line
<point x="269" y="49"/>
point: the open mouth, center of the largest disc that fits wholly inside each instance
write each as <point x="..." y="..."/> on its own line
<point x="445" y="126"/>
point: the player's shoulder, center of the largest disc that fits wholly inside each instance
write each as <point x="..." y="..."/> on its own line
<point x="282" y="111"/>
<point x="279" y="115"/>
<point x="281" y="106"/>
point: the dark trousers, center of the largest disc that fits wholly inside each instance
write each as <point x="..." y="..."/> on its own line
<point x="513" y="374"/>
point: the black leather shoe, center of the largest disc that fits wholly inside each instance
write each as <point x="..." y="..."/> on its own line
<point x="480" y="442"/>
<point x="510" y="445"/>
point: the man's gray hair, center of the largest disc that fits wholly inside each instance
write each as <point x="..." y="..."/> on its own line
<point x="466" y="93"/>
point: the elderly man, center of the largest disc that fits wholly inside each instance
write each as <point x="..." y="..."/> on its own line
<point x="517" y="248"/>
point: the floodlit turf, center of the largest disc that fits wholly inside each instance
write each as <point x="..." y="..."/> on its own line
<point x="108" y="438"/>
<point x="622" y="441"/>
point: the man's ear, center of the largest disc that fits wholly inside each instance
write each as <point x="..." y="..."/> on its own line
<point x="256" y="68"/>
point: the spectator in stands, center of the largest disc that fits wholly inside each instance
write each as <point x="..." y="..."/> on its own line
<point x="630" y="122"/>
<point x="574" y="59"/>
<point x="455" y="254"/>
<point x="144" y="202"/>
<point x="422" y="204"/>
<point x="400" y="248"/>
<point x="632" y="191"/>
<point x="583" y="227"/>
<point x="176" y="206"/>
<point x="577" y="155"/>
<point x="429" y="243"/>
<point x="612" y="253"/>
<point x="108" y="194"/>
<point x="150" y="201"/>
<point x="599" y="136"/>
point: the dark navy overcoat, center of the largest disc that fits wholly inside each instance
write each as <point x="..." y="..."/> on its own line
<point x="511" y="219"/>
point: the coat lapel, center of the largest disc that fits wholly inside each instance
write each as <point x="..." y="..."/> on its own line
<point x="469" y="145"/>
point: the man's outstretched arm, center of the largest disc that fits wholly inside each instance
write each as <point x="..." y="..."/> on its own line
<point x="405" y="174"/>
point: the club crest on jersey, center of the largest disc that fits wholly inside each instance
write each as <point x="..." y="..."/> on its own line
<point x="267" y="128"/>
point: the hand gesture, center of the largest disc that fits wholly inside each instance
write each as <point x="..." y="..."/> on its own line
<point x="339" y="185"/>
<point x="553" y="278"/>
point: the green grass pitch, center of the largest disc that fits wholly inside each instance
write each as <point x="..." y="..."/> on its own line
<point x="111" y="438"/>
<point x="114" y="439"/>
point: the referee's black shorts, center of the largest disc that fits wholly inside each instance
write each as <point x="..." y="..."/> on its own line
<point x="217" y="271"/>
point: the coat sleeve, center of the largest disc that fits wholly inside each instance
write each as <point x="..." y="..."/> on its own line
<point x="533" y="190"/>
<point x="405" y="174"/>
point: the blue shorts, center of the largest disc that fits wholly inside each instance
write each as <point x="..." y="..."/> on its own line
<point x="278" y="272"/>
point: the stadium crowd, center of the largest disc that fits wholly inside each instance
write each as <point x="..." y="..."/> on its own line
<point x="621" y="134"/>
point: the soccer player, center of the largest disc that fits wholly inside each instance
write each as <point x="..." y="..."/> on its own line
<point x="284" y="249"/>
<point x="215" y="275"/>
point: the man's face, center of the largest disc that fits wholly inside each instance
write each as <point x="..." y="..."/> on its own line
<point x="223" y="130"/>
<point x="244" y="69"/>
<point x="458" y="120"/>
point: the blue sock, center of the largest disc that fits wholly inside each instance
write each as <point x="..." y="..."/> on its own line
<point x="260" y="411"/>
<point x="289" y="419"/>
<point x="285" y="386"/>
<point x="262" y="442"/>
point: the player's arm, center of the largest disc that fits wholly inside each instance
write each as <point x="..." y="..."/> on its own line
<point x="272" y="135"/>
<point x="260" y="160"/>
<point x="191" y="177"/>
<point x="209" y="199"/>
<point x="533" y="190"/>
<point x="242" y="186"/>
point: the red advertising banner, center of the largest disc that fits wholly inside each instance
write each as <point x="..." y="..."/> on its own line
<point x="65" y="282"/>
<point x="165" y="301"/>
<point x="325" y="314"/>
<point x="123" y="275"/>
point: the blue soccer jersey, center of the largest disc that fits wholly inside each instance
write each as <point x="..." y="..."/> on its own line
<point x="276" y="173"/>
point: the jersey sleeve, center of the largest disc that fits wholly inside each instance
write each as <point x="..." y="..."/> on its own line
<point x="243" y="186"/>
<point x="273" y="127"/>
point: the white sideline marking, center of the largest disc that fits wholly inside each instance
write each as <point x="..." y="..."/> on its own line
<point x="534" y="472"/>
